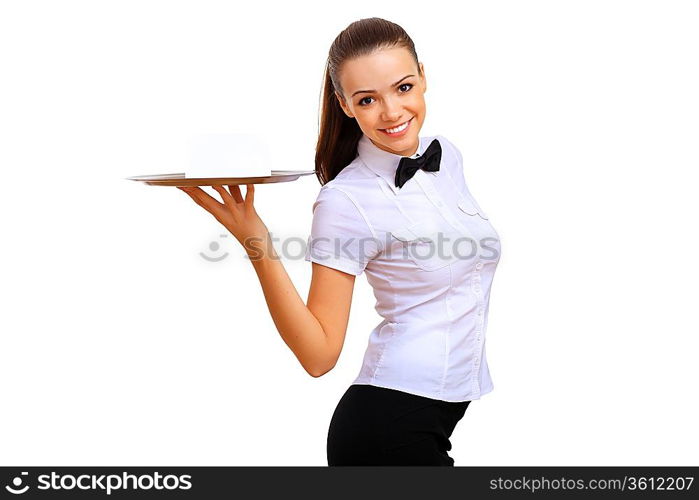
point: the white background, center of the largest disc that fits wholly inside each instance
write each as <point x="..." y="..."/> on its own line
<point x="121" y="345"/>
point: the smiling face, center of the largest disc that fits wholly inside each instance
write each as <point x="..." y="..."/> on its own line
<point x="383" y="92"/>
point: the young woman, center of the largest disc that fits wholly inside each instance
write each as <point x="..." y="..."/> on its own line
<point x="394" y="204"/>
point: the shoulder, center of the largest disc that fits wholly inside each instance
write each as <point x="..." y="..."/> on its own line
<point x="355" y="176"/>
<point x="448" y="146"/>
<point x="332" y="195"/>
<point x="337" y="211"/>
<point x="452" y="160"/>
<point x="337" y="199"/>
<point x="339" y="202"/>
<point x="355" y="182"/>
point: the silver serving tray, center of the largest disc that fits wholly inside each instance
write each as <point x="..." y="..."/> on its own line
<point x="178" y="179"/>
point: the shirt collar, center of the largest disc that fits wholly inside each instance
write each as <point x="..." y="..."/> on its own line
<point x="382" y="162"/>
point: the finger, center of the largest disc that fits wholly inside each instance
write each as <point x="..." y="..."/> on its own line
<point x="206" y="198"/>
<point x="225" y="196"/>
<point x="235" y="192"/>
<point x="195" y="199"/>
<point x="208" y="202"/>
<point x="249" y="195"/>
<point x="188" y="191"/>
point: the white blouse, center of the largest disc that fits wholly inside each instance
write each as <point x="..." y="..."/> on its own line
<point x="429" y="252"/>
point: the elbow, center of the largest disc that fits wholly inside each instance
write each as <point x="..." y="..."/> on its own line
<point x="315" y="373"/>
<point x="319" y="371"/>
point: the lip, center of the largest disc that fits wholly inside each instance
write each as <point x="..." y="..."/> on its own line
<point x="402" y="132"/>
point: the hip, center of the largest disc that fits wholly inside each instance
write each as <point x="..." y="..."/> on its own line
<point x="380" y="426"/>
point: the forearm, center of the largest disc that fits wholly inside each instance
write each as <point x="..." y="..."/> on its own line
<point x="296" y="324"/>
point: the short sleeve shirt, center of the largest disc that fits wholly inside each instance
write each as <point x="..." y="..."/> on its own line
<point x="429" y="252"/>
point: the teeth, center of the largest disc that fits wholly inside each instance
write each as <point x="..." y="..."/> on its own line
<point x="397" y="129"/>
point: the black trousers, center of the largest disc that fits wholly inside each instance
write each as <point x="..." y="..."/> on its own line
<point x="378" y="426"/>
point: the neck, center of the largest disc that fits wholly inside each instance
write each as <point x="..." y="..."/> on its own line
<point x="408" y="152"/>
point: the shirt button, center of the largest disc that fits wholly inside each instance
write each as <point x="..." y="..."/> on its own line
<point x="480" y="312"/>
<point x="439" y="203"/>
<point x="479" y="265"/>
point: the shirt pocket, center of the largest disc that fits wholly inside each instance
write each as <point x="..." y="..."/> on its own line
<point x="469" y="206"/>
<point x="421" y="244"/>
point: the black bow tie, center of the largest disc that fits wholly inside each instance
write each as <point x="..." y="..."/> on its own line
<point x="429" y="161"/>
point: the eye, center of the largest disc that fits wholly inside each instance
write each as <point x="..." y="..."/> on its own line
<point x="410" y="86"/>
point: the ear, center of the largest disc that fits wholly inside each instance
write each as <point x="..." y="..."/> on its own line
<point x="343" y="105"/>
<point x="423" y="78"/>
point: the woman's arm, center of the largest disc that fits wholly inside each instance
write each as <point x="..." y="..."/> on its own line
<point x="314" y="332"/>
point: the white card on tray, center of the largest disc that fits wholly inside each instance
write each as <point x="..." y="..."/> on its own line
<point x="228" y="155"/>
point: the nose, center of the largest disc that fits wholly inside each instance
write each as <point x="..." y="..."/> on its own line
<point x="391" y="110"/>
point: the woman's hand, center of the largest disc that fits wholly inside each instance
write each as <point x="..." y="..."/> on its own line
<point x="237" y="215"/>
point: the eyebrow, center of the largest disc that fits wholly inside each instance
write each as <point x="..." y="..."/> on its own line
<point x="369" y="91"/>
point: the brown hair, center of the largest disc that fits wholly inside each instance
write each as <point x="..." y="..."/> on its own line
<point x="339" y="134"/>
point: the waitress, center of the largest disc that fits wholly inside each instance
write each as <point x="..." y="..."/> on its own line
<point x="395" y="205"/>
